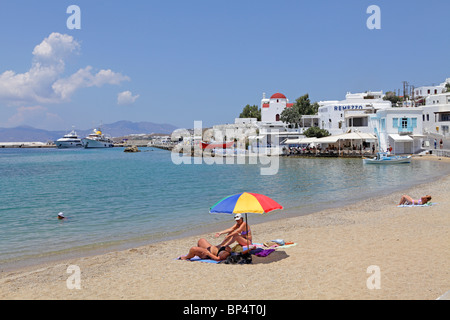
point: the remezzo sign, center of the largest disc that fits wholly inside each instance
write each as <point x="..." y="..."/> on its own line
<point x="351" y="107"/>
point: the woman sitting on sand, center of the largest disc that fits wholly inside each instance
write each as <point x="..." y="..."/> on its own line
<point x="410" y="201"/>
<point x="205" y="250"/>
<point x="240" y="233"/>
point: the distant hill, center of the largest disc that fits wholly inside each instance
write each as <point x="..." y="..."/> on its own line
<point x="123" y="128"/>
<point x="27" y="134"/>
<point x="116" y="129"/>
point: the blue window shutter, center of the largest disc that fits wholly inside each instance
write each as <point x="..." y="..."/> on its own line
<point x="395" y="122"/>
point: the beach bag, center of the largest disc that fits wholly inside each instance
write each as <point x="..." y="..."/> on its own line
<point x="237" y="248"/>
<point x="240" y="258"/>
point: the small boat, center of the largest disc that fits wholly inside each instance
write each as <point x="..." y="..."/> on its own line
<point x="384" y="158"/>
<point x="97" y="140"/>
<point x="69" y="140"/>
<point x="212" y="145"/>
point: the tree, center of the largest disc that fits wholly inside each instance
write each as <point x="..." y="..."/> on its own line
<point x="392" y="97"/>
<point x="302" y="106"/>
<point x="251" y="112"/>
<point x="291" y="115"/>
<point x="316" y="132"/>
<point x="447" y="86"/>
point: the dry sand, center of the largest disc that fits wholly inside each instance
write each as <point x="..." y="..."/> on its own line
<point x="335" y="249"/>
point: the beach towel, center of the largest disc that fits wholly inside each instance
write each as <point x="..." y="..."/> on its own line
<point x="276" y="247"/>
<point x="203" y="260"/>
<point x="263" y="252"/>
<point x="286" y="246"/>
<point x="428" y="204"/>
<point x="257" y="249"/>
<point x="198" y="259"/>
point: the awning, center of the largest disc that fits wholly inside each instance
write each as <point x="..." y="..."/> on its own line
<point x="256" y="137"/>
<point x="366" y="136"/>
<point x="417" y="135"/>
<point x="399" y="138"/>
<point x="347" y="136"/>
<point x="329" y="139"/>
<point x="357" y="136"/>
<point x="300" y="141"/>
<point x="333" y="139"/>
<point x="291" y="141"/>
<point x="308" y="140"/>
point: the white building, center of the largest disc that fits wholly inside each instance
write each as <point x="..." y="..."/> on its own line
<point x="352" y="113"/>
<point x="272" y="108"/>
<point x="272" y="130"/>
<point x="400" y="128"/>
<point x="425" y="91"/>
<point x="436" y="114"/>
<point x="245" y="121"/>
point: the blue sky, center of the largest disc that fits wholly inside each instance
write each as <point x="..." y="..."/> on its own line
<point x="180" y="61"/>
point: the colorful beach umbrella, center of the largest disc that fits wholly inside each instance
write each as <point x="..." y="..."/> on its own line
<point x="245" y="202"/>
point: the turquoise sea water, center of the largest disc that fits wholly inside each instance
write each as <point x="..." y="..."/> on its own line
<point x="110" y="197"/>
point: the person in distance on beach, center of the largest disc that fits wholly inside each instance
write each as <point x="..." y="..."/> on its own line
<point x="239" y="233"/>
<point x="61" y="216"/>
<point x="205" y="250"/>
<point x="410" y="201"/>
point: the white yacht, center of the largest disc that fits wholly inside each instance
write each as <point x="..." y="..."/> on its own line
<point x="69" y="140"/>
<point x="97" y="140"/>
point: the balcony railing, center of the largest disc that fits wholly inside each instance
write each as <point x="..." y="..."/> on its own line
<point x="407" y="129"/>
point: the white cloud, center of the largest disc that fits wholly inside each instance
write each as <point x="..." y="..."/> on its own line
<point x="44" y="83"/>
<point x="55" y="48"/>
<point x="126" y="97"/>
<point x="83" y="78"/>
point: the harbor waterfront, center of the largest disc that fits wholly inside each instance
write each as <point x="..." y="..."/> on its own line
<point x="230" y="158"/>
<point x="115" y="199"/>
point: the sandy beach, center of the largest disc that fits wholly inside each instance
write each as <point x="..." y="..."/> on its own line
<point x="335" y="248"/>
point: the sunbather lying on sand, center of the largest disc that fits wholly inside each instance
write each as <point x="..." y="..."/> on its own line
<point x="205" y="250"/>
<point x="410" y="201"/>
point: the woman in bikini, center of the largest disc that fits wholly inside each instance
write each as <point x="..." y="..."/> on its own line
<point x="410" y="201"/>
<point x="205" y="250"/>
<point x="240" y="233"/>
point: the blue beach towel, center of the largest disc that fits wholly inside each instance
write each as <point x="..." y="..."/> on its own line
<point x="203" y="260"/>
<point x="428" y="204"/>
<point x="196" y="258"/>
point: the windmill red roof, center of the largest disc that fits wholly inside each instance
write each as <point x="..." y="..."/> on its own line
<point x="278" y="96"/>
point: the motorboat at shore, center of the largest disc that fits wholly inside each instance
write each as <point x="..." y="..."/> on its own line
<point x="384" y="158"/>
<point x="97" y="140"/>
<point x="212" y="145"/>
<point x="70" y="140"/>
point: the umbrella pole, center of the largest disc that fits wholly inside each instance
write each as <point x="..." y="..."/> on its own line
<point x="246" y="230"/>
